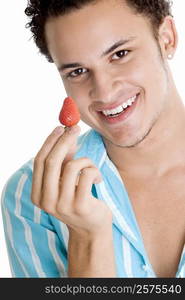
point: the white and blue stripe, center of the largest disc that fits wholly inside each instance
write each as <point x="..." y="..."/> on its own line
<point x="37" y="243"/>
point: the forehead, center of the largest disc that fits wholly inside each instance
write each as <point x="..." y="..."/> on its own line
<point x="97" y="24"/>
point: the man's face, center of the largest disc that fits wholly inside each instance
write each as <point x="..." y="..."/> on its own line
<point x="108" y="56"/>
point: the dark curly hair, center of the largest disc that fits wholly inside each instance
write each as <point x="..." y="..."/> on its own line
<point x="40" y="10"/>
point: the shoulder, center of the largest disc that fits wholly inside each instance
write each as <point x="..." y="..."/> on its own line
<point x="17" y="185"/>
<point x="21" y="175"/>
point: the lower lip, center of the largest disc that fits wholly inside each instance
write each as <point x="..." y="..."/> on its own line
<point x="121" y="117"/>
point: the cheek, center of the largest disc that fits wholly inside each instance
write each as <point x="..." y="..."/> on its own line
<point x="156" y="82"/>
<point x="66" y="87"/>
<point x="135" y="73"/>
<point x="149" y="75"/>
<point x="83" y="106"/>
<point x="78" y="95"/>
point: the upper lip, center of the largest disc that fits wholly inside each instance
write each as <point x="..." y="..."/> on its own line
<point x="118" y="103"/>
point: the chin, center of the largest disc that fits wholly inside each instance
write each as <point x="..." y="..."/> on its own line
<point x="129" y="141"/>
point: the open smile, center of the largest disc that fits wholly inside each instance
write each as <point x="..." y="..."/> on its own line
<point x="121" y="112"/>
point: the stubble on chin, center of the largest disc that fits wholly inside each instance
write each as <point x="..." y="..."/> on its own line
<point x="136" y="141"/>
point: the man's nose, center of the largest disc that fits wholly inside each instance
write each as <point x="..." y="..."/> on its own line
<point x="104" y="87"/>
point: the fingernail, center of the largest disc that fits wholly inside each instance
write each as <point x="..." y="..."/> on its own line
<point x="72" y="129"/>
<point x="58" y="130"/>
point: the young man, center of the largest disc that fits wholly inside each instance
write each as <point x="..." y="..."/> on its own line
<point x="109" y="203"/>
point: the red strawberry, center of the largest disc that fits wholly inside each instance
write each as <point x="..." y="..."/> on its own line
<point x="69" y="114"/>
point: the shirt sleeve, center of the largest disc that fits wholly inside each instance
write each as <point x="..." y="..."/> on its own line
<point x="36" y="248"/>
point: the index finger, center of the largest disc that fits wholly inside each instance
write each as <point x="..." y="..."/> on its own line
<point x="39" y="162"/>
<point x="53" y="167"/>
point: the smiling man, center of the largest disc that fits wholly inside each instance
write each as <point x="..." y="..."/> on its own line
<point x="126" y="215"/>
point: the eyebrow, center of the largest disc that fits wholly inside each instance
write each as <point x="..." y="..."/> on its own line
<point x="119" y="43"/>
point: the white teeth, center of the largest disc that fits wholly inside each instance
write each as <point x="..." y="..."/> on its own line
<point x="119" y="108"/>
<point x="124" y="105"/>
<point x="129" y="102"/>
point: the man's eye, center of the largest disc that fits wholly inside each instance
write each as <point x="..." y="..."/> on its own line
<point x="76" y="73"/>
<point x="120" y="54"/>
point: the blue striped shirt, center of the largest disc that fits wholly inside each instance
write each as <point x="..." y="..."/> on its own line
<point x="37" y="242"/>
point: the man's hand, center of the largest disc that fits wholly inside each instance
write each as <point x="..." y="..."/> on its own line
<point x="59" y="190"/>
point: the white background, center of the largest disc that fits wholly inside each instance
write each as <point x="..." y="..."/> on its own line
<point x="31" y="94"/>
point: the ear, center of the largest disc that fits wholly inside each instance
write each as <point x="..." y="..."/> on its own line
<point x="168" y="37"/>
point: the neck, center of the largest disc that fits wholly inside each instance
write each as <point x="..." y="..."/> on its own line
<point x="162" y="150"/>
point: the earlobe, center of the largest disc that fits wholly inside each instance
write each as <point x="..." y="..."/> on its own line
<point x="168" y="37"/>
